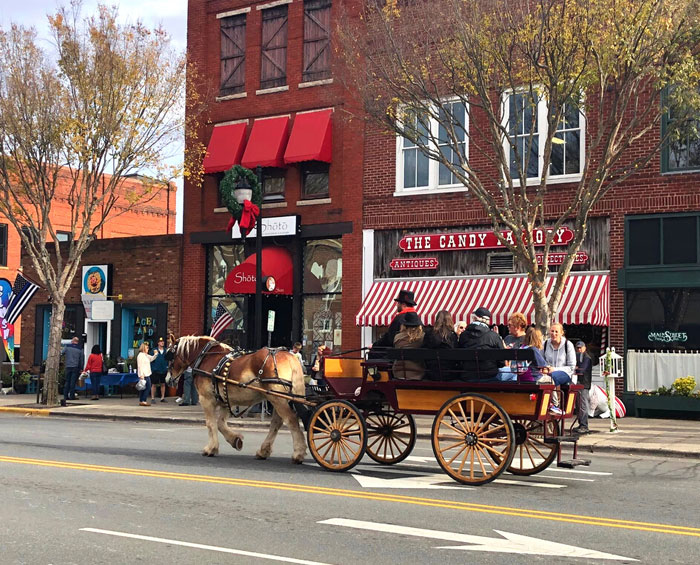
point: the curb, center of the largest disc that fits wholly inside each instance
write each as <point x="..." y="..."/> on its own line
<point x="27" y="411"/>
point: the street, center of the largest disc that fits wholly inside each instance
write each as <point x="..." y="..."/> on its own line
<point x="83" y="491"/>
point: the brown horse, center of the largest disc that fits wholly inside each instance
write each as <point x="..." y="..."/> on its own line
<point x="253" y="369"/>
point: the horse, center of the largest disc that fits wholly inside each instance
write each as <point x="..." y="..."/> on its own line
<point x="271" y="370"/>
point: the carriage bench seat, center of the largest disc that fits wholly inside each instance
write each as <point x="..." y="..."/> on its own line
<point x="448" y="362"/>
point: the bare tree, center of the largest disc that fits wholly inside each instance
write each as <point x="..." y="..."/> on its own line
<point x="526" y="72"/>
<point x="108" y="103"/>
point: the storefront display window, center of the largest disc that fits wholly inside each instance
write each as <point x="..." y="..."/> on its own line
<point x="140" y="323"/>
<point x="322" y="323"/>
<point x="222" y="258"/>
<point x="234" y="334"/>
<point x="663" y="319"/>
<point x="323" y="266"/>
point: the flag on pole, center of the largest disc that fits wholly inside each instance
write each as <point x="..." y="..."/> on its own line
<point x="22" y="293"/>
<point x="222" y="320"/>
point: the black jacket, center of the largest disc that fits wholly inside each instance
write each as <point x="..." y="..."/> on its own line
<point x="480" y="336"/>
<point x="387" y="340"/>
<point x="584" y="369"/>
<point x="443" y="370"/>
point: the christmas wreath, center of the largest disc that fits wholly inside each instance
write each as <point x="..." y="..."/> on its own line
<point x="245" y="214"/>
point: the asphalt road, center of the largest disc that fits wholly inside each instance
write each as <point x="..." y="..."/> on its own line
<point x="79" y="491"/>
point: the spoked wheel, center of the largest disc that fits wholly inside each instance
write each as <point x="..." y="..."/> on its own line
<point x="473" y="439"/>
<point x="532" y="454"/>
<point x="391" y="436"/>
<point x="337" y="435"/>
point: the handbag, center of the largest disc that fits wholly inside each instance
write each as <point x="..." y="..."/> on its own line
<point x="141" y="384"/>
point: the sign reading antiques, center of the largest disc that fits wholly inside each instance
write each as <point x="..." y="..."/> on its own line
<point x="558" y="258"/>
<point x="428" y="263"/>
<point x="465" y="241"/>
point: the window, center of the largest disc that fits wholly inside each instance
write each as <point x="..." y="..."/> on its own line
<point x="663" y="319"/>
<point x="415" y="171"/>
<point x="526" y="120"/>
<point x="273" y="183"/>
<point x="232" y="55"/>
<point x="220" y="260"/>
<point x="273" y="56"/>
<point x="681" y="152"/>
<point x="314" y="180"/>
<point x="63" y="235"/>
<point x="662" y="240"/>
<point x="317" y="35"/>
<point x="3" y="245"/>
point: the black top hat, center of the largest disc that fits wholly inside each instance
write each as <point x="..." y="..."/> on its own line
<point x="407" y="297"/>
<point x="410" y="319"/>
<point x="482" y="312"/>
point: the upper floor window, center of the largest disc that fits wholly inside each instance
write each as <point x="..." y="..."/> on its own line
<point x="525" y="116"/>
<point x="314" y="179"/>
<point x="3" y="245"/>
<point x="63" y="236"/>
<point x="415" y="171"/>
<point x="232" y="55"/>
<point x="681" y="152"/>
<point x="273" y="50"/>
<point x="317" y="44"/>
<point x="662" y="240"/>
<point x="273" y="183"/>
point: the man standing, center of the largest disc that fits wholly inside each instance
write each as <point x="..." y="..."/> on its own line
<point x="584" y="369"/>
<point x="159" y="366"/>
<point x="478" y="335"/>
<point x="405" y="302"/>
<point x="74" y="362"/>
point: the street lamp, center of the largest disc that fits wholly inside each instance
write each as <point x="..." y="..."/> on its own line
<point x="242" y="192"/>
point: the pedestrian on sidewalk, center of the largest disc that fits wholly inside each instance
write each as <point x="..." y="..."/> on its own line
<point x="74" y="362"/>
<point x="143" y="365"/>
<point x="584" y="370"/>
<point x="95" y="367"/>
<point x="190" y="396"/>
<point x="160" y="369"/>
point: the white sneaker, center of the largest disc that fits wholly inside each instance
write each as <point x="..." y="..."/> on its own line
<point x="178" y="400"/>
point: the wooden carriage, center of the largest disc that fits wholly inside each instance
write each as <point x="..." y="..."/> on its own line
<point x="480" y="429"/>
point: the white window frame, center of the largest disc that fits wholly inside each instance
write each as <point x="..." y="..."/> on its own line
<point x="542" y="108"/>
<point x="433" y="166"/>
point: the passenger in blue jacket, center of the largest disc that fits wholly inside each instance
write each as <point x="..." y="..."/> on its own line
<point x="74" y="361"/>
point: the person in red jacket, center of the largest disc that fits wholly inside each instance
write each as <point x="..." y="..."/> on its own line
<point x="95" y="366"/>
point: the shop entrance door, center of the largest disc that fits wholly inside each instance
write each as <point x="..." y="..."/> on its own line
<point x="282" y="305"/>
<point x="97" y="333"/>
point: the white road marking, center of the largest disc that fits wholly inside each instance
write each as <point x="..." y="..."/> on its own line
<point x="577" y="471"/>
<point x="513" y="543"/>
<point x="521" y="483"/>
<point x="201" y="546"/>
<point x="540" y="476"/>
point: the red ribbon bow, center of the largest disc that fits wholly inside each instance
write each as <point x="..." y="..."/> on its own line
<point x="248" y="217"/>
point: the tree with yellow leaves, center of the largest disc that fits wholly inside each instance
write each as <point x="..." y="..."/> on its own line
<point x="548" y="95"/>
<point x="74" y="123"/>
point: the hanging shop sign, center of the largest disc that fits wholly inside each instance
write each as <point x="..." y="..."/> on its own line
<point x="558" y="258"/>
<point x="466" y="241"/>
<point x="427" y="263"/>
<point x="668" y="337"/>
<point x="271" y="227"/>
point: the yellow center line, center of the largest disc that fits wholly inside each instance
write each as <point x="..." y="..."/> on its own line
<point x="381" y="497"/>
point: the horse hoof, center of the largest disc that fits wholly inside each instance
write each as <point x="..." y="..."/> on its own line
<point x="297" y="461"/>
<point x="260" y="456"/>
<point x="208" y="453"/>
<point x="237" y="443"/>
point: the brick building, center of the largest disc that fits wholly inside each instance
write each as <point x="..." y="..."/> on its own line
<point x="145" y="271"/>
<point x="273" y="104"/>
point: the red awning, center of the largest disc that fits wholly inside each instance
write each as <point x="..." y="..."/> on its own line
<point x="266" y="143"/>
<point x="276" y="262"/>
<point x="225" y="147"/>
<point x="311" y="138"/>
<point x="586" y="299"/>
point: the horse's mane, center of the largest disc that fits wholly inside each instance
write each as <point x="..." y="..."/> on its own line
<point x="190" y="343"/>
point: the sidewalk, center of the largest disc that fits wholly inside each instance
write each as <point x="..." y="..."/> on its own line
<point x="674" y="438"/>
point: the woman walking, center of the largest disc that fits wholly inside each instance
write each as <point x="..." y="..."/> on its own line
<point x="95" y="366"/>
<point x="143" y="365"/>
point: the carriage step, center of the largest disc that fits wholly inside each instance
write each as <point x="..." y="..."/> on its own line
<point x="571" y="463"/>
<point x="561" y="439"/>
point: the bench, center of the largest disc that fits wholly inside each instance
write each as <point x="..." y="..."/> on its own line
<point x="449" y="362"/>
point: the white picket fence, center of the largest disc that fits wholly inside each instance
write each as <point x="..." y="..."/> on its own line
<point x="648" y="370"/>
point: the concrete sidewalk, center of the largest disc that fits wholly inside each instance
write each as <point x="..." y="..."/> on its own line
<point x="673" y="438"/>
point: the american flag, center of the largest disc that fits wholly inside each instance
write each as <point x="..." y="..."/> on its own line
<point x="22" y="293"/>
<point x="222" y="319"/>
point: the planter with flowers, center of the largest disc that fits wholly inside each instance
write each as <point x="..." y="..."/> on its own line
<point x="681" y="396"/>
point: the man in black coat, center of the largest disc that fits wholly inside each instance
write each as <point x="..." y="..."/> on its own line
<point x="478" y="335"/>
<point x="405" y="302"/>
<point x="584" y="370"/>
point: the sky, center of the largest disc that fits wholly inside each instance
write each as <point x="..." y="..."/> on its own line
<point x="171" y="14"/>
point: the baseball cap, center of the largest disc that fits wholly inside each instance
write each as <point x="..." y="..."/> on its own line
<point x="579" y="343"/>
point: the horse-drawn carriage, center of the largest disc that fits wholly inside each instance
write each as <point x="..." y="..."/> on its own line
<point x="480" y="429"/>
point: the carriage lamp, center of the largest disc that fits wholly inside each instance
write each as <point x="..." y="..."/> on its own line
<point x="243" y="191"/>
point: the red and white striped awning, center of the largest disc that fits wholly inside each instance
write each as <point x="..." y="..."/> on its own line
<point x="586" y="298"/>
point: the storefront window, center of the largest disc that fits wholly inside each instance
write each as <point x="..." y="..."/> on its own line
<point x="323" y="266"/>
<point x="139" y="323"/>
<point x="322" y="323"/>
<point x="234" y="334"/>
<point x="222" y="258"/>
<point x="663" y="319"/>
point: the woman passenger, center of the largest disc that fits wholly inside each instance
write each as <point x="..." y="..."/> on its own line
<point x="441" y="336"/>
<point x="410" y="336"/>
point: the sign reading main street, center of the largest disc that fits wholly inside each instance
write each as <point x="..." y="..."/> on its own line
<point x="465" y="241"/>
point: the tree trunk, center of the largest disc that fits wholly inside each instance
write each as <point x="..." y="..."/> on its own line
<point x="543" y="315"/>
<point x="53" y="357"/>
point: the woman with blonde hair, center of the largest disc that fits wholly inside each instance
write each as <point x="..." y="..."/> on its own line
<point x="410" y="336"/>
<point x="143" y="367"/>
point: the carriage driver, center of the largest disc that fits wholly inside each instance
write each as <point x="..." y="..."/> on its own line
<point x="405" y="302"/>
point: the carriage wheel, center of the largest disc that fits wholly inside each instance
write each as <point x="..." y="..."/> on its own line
<point x="337" y="435"/>
<point x="391" y="436"/>
<point x="473" y="439"/>
<point x="532" y="454"/>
